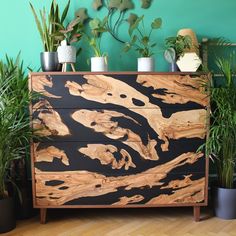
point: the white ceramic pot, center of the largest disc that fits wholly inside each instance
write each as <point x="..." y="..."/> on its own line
<point x="99" y="64"/>
<point x="189" y="62"/>
<point x="66" y="54"/>
<point x="146" y="64"/>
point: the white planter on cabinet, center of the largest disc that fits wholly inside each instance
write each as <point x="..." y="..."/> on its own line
<point x="146" y="64"/>
<point x="99" y="64"/>
<point x="66" y="53"/>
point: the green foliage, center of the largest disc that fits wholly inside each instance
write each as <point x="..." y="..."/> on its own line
<point x="121" y="5"/>
<point x="140" y="38"/>
<point x="82" y="14"/>
<point x="179" y="43"/>
<point x="97" y="28"/>
<point x="97" y="4"/>
<point x="146" y="3"/>
<point x="222" y="134"/>
<point x="72" y="33"/>
<point x="132" y="18"/>
<point x="15" y="131"/>
<point x="116" y="14"/>
<point x="47" y="24"/>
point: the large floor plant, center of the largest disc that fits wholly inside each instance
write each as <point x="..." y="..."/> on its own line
<point x="221" y="143"/>
<point x="15" y="130"/>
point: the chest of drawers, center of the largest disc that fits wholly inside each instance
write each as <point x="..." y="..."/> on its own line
<point x="119" y="140"/>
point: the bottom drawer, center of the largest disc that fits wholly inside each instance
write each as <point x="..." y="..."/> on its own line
<point x="54" y="189"/>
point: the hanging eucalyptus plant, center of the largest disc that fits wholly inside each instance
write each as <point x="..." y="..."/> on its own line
<point x="116" y="13"/>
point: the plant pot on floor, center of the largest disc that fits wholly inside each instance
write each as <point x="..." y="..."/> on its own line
<point x="99" y="64"/>
<point x="49" y="61"/>
<point x="7" y="215"/>
<point x="145" y="64"/>
<point x="224" y="202"/>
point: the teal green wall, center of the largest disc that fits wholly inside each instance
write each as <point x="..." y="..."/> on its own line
<point x="209" y="18"/>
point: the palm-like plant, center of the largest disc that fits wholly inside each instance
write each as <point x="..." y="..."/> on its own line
<point x="15" y="130"/>
<point x="221" y="143"/>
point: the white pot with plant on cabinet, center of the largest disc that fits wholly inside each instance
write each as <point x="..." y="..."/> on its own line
<point x="66" y="51"/>
<point x="142" y="43"/>
<point x="99" y="62"/>
<point x="176" y="47"/>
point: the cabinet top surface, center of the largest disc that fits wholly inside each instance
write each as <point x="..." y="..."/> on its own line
<point x="117" y="72"/>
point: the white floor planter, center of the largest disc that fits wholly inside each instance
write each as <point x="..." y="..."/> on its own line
<point x="99" y="64"/>
<point x="66" y="54"/>
<point x="146" y="64"/>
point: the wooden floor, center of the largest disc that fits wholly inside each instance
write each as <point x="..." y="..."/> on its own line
<point x="125" y="222"/>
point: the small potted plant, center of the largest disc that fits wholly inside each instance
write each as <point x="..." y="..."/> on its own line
<point x="72" y="33"/>
<point x="220" y="144"/>
<point x="175" y="48"/>
<point x="142" y="43"/>
<point x="15" y="133"/>
<point x="47" y="27"/>
<point x="99" y="61"/>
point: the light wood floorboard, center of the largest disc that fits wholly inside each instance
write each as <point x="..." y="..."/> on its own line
<point x="125" y="222"/>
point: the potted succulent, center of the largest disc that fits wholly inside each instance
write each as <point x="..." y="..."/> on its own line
<point x="71" y="34"/>
<point x="47" y="27"/>
<point x="221" y="140"/>
<point x="142" y="43"/>
<point x="15" y="133"/>
<point x="175" y="48"/>
<point x="99" y="61"/>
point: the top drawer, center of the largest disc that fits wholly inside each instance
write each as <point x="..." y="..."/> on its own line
<point x="121" y="90"/>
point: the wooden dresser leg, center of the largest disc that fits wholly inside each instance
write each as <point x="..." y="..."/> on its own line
<point x="43" y="215"/>
<point x="196" y="213"/>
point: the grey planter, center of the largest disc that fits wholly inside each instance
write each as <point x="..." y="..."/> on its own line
<point x="224" y="202"/>
<point x="49" y="61"/>
<point x="7" y="215"/>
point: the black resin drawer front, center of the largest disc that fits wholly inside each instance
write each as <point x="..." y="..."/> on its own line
<point x="118" y="91"/>
<point x="116" y="158"/>
<point x="88" y="188"/>
<point x="119" y="139"/>
<point x="126" y="125"/>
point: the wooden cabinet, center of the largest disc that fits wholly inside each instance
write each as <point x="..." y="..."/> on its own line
<point x="119" y="140"/>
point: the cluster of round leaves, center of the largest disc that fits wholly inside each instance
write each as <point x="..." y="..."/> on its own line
<point x="121" y="5"/>
<point x="140" y="38"/>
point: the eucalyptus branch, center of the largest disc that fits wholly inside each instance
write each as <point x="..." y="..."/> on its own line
<point x="117" y="22"/>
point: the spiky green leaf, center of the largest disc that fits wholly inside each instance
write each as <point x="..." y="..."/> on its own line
<point x="65" y="12"/>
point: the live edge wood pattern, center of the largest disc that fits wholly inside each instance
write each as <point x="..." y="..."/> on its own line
<point x="119" y="139"/>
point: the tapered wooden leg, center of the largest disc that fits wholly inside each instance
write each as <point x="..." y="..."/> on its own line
<point x="73" y="67"/>
<point x="63" y="67"/>
<point x="43" y="215"/>
<point x="196" y="213"/>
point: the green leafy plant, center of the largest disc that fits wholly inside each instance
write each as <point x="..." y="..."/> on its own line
<point x="47" y="27"/>
<point x="15" y="130"/>
<point x="221" y="140"/>
<point x="179" y="43"/>
<point x="72" y="33"/>
<point x="116" y="13"/>
<point x="97" y="28"/>
<point x="140" y="38"/>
